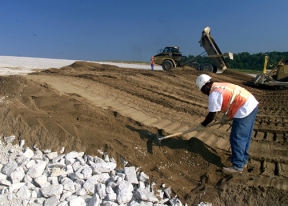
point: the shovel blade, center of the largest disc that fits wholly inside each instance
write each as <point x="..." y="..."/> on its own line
<point x="158" y="139"/>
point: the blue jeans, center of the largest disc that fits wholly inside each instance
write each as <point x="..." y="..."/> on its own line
<point x="152" y="66"/>
<point x="240" y="138"/>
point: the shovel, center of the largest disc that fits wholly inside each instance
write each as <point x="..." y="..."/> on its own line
<point x="159" y="138"/>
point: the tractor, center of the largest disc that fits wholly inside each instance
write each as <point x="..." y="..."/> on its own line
<point x="277" y="77"/>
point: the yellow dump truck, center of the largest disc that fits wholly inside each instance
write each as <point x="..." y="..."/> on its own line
<point x="171" y="57"/>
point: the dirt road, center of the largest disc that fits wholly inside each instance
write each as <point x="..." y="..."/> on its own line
<point x="91" y="107"/>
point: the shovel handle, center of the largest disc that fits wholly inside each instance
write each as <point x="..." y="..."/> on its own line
<point x="175" y="134"/>
<point x="187" y="131"/>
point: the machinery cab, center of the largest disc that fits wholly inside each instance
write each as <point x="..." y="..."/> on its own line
<point x="282" y="71"/>
<point x="171" y="53"/>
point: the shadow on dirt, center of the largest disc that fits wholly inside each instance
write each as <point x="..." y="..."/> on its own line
<point x="264" y="87"/>
<point x="194" y="145"/>
<point x="145" y="134"/>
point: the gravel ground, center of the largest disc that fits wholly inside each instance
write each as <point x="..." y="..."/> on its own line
<point x="10" y="152"/>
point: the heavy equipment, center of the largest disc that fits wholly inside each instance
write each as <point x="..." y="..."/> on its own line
<point x="171" y="57"/>
<point x="277" y="77"/>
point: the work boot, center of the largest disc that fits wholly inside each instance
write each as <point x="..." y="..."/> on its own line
<point x="229" y="159"/>
<point x="231" y="170"/>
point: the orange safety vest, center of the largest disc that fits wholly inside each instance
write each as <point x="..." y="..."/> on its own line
<point x="234" y="97"/>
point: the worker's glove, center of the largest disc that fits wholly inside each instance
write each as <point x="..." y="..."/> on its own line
<point x="200" y="127"/>
<point x="224" y="120"/>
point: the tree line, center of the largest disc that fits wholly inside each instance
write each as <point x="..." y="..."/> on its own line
<point x="246" y="61"/>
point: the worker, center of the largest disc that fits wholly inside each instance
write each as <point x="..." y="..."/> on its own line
<point x="238" y="105"/>
<point x="152" y="63"/>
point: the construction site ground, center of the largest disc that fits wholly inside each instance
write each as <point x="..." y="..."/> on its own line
<point x="93" y="107"/>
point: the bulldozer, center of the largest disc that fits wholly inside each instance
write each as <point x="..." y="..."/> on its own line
<point x="277" y="77"/>
<point x="171" y="57"/>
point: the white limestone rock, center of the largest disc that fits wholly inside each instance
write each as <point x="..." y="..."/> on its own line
<point x="23" y="193"/>
<point x="95" y="200"/>
<point x="102" y="167"/>
<point x="78" y="201"/>
<point x="52" y="190"/>
<point x="8" y="168"/>
<point x="145" y="195"/>
<point x="131" y="175"/>
<point x="41" y="181"/>
<point x="37" y="169"/>
<point x="17" y="175"/>
<point x="28" y="153"/>
<point x="124" y="192"/>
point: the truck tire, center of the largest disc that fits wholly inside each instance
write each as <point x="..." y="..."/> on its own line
<point x="167" y="65"/>
<point x="207" y="67"/>
<point x="195" y="66"/>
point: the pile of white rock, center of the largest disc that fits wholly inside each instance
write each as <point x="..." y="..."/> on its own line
<point x="35" y="177"/>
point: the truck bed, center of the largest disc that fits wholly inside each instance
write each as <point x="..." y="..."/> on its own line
<point x="210" y="46"/>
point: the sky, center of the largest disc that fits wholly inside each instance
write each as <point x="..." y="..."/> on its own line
<point x="135" y="30"/>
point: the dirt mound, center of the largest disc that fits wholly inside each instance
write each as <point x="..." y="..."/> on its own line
<point x="90" y="107"/>
<point x="86" y="66"/>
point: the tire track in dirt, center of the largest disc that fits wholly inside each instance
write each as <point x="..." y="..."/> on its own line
<point x="170" y="102"/>
<point x="264" y="164"/>
<point x="268" y="163"/>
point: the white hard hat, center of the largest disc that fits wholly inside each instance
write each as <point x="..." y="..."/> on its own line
<point x="202" y="80"/>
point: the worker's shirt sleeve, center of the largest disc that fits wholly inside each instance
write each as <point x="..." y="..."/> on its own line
<point x="215" y="100"/>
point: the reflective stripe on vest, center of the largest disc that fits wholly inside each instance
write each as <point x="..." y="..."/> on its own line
<point x="234" y="97"/>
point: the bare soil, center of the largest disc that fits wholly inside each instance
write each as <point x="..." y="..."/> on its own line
<point x="92" y="107"/>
